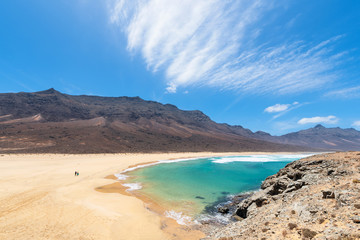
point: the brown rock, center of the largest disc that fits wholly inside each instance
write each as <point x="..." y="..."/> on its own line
<point x="328" y="194"/>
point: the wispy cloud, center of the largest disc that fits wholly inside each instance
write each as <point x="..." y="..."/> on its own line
<point x="282" y="109"/>
<point x="351" y="92"/>
<point x="356" y="124"/>
<point x="277" y="108"/>
<point x="206" y="43"/>
<point x="329" y="120"/>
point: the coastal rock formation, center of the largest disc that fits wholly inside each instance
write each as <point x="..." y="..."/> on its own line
<point x="313" y="198"/>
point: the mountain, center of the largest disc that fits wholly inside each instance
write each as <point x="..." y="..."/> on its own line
<point x="49" y="121"/>
<point x="318" y="137"/>
<point x="321" y="137"/>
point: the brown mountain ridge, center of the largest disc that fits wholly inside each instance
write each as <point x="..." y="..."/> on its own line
<point x="50" y="121"/>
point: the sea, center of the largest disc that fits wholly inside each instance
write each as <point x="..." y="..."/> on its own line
<point x="191" y="190"/>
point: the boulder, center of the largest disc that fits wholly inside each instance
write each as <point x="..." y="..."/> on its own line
<point x="268" y="182"/>
<point x="294" y="175"/>
<point x="279" y="186"/>
<point x="256" y="200"/>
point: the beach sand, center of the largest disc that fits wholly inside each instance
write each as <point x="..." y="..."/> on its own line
<point x="40" y="198"/>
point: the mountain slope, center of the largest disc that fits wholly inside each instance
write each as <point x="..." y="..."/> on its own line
<point x="50" y="121"/>
<point x="318" y="137"/>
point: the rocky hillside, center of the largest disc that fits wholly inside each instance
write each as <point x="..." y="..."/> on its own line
<point x="321" y="137"/>
<point x="337" y="139"/>
<point x="50" y="121"/>
<point x="312" y="198"/>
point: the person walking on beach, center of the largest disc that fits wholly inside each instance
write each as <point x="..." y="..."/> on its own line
<point x="76" y="173"/>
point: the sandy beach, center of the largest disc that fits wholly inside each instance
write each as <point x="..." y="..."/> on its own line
<point x="40" y="198"/>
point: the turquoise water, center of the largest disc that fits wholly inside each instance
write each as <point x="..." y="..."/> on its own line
<point x="191" y="186"/>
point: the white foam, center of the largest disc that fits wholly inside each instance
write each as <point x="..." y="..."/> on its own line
<point x="121" y="176"/>
<point x="158" y="162"/>
<point x="259" y="158"/>
<point x="179" y="217"/>
<point x="132" y="186"/>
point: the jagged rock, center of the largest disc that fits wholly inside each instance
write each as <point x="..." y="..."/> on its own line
<point x="294" y="186"/>
<point x="261" y="201"/>
<point x="268" y="182"/>
<point x="257" y="200"/>
<point x="328" y="194"/>
<point x="251" y="209"/>
<point x="223" y="210"/>
<point x="279" y="186"/>
<point x="295" y="175"/>
<point x="241" y="211"/>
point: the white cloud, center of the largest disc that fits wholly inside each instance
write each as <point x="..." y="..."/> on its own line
<point x="356" y="124"/>
<point x="282" y="109"/>
<point x="277" y="108"/>
<point x="329" y="120"/>
<point x="350" y="92"/>
<point x="207" y="43"/>
<point x="171" y="88"/>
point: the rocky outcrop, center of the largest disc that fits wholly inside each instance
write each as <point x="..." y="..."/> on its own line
<point x="312" y="198"/>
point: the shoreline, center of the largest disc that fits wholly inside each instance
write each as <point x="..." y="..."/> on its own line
<point x="312" y="198"/>
<point x="158" y="207"/>
<point x="40" y="197"/>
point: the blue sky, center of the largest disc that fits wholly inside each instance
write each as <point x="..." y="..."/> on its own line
<point x="276" y="66"/>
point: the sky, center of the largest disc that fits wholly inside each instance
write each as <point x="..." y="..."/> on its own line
<point x="276" y="66"/>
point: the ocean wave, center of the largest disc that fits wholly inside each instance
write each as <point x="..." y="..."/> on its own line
<point x="132" y="186"/>
<point x="259" y="158"/>
<point x="179" y="217"/>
